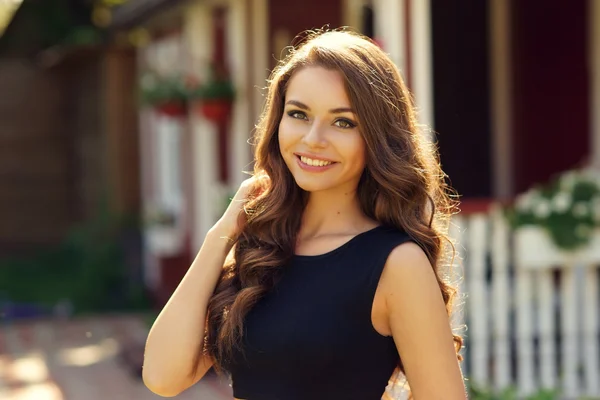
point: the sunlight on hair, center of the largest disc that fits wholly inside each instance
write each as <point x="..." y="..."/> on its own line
<point x="88" y="355"/>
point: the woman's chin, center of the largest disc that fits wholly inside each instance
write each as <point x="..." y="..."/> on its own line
<point x="312" y="186"/>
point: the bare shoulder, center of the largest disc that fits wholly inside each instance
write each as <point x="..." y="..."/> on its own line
<point x="408" y="267"/>
<point x="409" y="286"/>
<point x="407" y="253"/>
<point x="419" y="324"/>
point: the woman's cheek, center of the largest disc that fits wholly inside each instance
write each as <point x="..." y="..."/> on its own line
<point x="290" y="130"/>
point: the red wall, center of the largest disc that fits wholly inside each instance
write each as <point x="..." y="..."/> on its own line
<point x="551" y="83"/>
<point x="296" y="17"/>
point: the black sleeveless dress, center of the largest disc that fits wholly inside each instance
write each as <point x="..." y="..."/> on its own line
<point x="311" y="337"/>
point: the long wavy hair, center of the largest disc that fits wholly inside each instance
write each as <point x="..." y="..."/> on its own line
<point x="403" y="185"/>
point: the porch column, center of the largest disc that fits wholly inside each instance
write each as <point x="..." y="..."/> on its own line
<point x="421" y="60"/>
<point x="352" y="14"/>
<point x="501" y="95"/>
<point x="238" y="59"/>
<point x="594" y="52"/>
<point x="199" y="34"/>
<point x="390" y="30"/>
<point x="260" y="51"/>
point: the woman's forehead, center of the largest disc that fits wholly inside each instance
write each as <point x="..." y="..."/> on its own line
<point x="319" y="86"/>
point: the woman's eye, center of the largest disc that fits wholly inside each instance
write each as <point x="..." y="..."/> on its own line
<point x="344" y="124"/>
<point x="297" y="114"/>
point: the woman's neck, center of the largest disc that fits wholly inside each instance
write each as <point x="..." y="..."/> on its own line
<point x="330" y="212"/>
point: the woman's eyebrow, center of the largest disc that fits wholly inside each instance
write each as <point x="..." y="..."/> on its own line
<point x="342" y="110"/>
<point x="303" y="106"/>
<point x="298" y="104"/>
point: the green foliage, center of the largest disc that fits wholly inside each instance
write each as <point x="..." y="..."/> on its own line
<point x="544" y="394"/>
<point x="225" y="201"/>
<point x="84" y="35"/>
<point x="156" y="89"/>
<point x="215" y="90"/>
<point x="149" y="319"/>
<point x="88" y="269"/>
<point x="59" y="22"/>
<point x="568" y="208"/>
<point x="479" y="393"/>
<point x="217" y="87"/>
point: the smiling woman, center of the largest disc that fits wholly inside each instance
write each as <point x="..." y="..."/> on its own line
<point x="328" y="270"/>
<point x="319" y="132"/>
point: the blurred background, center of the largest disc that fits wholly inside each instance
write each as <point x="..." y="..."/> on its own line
<point x="123" y="132"/>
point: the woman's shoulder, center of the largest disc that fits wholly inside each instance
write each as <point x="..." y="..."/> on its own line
<point x="400" y="245"/>
<point x="381" y="241"/>
<point x="391" y="234"/>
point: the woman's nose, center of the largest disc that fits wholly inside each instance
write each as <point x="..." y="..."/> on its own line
<point x="315" y="137"/>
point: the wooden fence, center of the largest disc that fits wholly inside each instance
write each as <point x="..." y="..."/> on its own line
<point x="532" y="313"/>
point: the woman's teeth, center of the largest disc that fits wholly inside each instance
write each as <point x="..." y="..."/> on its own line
<point x="314" y="163"/>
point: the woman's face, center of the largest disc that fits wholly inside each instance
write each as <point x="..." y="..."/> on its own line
<point x="319" y="133"/>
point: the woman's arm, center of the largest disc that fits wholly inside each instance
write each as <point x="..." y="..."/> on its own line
<point x="178" y="332"/>
<point x="420" y="325"/>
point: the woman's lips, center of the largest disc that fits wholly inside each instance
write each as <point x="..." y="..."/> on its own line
<point x="314" y="168"/>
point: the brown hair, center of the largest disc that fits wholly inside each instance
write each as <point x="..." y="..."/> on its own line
<point x="402" y="186"/>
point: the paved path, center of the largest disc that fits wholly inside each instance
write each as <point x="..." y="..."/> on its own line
<point x="81" y="360"/>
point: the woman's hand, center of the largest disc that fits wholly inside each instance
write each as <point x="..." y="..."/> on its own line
<point x="233" y="220"/>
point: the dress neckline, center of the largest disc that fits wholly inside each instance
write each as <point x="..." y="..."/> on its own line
<point x="337" y="249"/>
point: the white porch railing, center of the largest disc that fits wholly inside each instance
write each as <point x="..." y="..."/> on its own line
<point x="532" y="317"/>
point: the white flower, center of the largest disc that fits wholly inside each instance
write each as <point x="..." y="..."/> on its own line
<point x="542" y="209"/>
<point x="526" y="201"/>
<point x="568" y="181"/>
<point x="561" y="202"/>
<point x="580" y="209"/>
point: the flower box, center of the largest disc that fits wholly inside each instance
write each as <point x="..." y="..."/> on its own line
<point x="558" y="222"/>
<point x="217" y="110"/>
<point x="534" y="249"/>
<point x="172" y="109"/>
<point x="166" y="94"/>
<point x="215" y="96"/>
